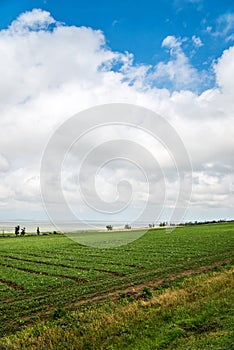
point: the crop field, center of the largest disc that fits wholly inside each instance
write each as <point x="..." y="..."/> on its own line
<point x="41" y="273"/>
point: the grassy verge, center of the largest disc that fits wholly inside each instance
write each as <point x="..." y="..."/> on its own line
<point x="197" y="313"/>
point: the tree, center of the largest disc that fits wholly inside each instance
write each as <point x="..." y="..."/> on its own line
<point x="127" y="227"/>
<point x="162" y="224"/>
<point x="17" y="230"/>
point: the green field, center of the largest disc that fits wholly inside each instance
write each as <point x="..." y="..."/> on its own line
<point x="43" y="274"/>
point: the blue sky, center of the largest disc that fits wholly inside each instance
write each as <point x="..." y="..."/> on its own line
<point x="174" y="57"/>
<point x="140" y="26"/>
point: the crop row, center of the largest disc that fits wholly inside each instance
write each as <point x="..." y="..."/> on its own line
<point x="37" y="273"/>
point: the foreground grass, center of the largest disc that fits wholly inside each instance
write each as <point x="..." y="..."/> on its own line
<point x="195" y="314"/>
<point x="39" y="273"/>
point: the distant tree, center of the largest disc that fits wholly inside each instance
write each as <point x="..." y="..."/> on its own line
<point x="162" y="224"/>
<point x="127" y="227"/>
<point x="17" y="230"/>
<point x="151" y="225"/>
<point x="109" y="227"/>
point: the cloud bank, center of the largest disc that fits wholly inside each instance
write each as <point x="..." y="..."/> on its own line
<point x="50" y="71"/>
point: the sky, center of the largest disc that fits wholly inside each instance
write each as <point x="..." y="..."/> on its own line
<point x="174" y="57"/>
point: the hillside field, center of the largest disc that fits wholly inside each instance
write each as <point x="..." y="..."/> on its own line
<point x="57" y="294"/>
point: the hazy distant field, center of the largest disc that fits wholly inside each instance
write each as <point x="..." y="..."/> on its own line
<point x="38" y="274"/>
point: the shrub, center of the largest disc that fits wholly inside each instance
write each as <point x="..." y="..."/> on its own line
<point x="59" y="312"/>
<point x="146" y="293"/>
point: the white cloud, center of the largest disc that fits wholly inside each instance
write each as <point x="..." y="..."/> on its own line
<point x="197" y="41"/>
<point x="32" y="20"/>
<point x="49" y="75"/>
<point x="171" y="42"/>
<point x="224" y="25"/>
<point x="178" y="69"/>
<point x="230" y="37"/>
<point x="224" y="69"/>
<point x="4" y="164"/>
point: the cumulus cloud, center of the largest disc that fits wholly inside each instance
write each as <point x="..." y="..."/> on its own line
<point x="171" y="41"/>
<point x="50" y="71"/>
<point x="223" y="69"/>
<point x="178" y="70"/>
<point x="32" y="20"/>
